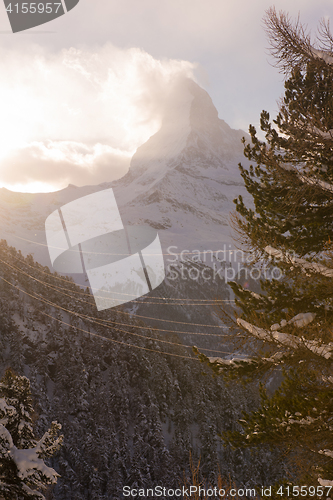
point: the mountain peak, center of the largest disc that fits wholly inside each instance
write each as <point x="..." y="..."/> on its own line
<point x="189" y="102"/>
<point x="191" y="131"/>
<point x="184" y="178"/>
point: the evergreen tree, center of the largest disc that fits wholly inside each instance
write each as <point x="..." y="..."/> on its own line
<point x="289" y="234"/>
<point x="22" y="469"/>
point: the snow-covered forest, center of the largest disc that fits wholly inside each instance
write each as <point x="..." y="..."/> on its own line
<point x="129" y="415"/>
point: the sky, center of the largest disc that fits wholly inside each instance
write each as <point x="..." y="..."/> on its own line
<point x="80" y="94"/>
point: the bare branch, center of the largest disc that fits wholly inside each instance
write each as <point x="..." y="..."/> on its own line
<point x="290" y="42"/>
<point x="325" y="36"/>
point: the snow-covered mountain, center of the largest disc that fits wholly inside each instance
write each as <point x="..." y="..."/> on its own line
<point x="181" y="181"/>
<point x="184" y="178"/>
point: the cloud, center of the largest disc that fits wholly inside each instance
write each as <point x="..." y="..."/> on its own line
<point x="57" y="164"/>
<point x="77" y="116"/>
<point x="97" y="93"/>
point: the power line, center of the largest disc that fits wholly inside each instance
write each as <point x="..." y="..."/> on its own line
<point x="126" y="254"/>
<point x="93" y="320"/>
<point x="104" y="320"/>
<point x="211" y="301"/>
<point x="118" y="311"/>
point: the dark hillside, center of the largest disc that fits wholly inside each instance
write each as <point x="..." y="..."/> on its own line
<point x="132" y="407"/>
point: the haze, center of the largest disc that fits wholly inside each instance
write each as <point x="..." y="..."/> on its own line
<point x="78" y="100"/>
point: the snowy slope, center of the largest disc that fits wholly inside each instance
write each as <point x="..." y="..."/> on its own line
<point x="22" y="218"/>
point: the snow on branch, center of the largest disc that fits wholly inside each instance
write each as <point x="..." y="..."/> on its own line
<point x="231" y="362"/>
<point x="327" y="453"/>
<point x="30" y="468"/>
<point x="313" y="180"/>
<point x="236" y="362"/>
<point x="304" y="264"/>
<point x="50" y="442"/>
<point x="288" y="340"/>
<point x="328" y="379"/>
<point x="5" y="411"/>
<point x="323" y="133"/>
<point x="317" y="182"/>
<point x="325" y="482"/>
<point x="28" y="463"/>
<point x="300" y="320"/>
<point x="326" y="56"/>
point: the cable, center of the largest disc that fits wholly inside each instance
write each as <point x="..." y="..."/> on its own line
<point x="211" y="301"/>
<point x="93" y="320"/>
<point x="126" y="254"/>
<point x="104" y="320"/>
<point x="120" y="342"/>
<point x="118" y="311"/>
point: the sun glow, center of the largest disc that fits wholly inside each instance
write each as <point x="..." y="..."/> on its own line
<point x="31" y="187"/>
<point x="76" y="116"/>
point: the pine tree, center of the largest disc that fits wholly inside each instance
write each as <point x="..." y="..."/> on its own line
<point x="23" y="472"/>
<point x="289" y="235"/>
